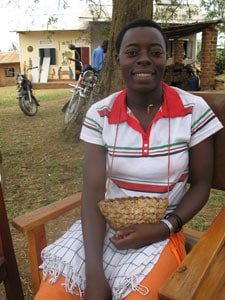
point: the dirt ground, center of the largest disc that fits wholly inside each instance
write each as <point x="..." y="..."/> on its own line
<point x="40" y="166"/>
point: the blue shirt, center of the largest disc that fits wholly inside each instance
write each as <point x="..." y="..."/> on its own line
<point x="98" y="57"/>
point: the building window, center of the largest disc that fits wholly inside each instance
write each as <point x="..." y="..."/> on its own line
<point x="48" y="52"/>
<point x="9" y="72"/>
<point x="188" y="49"/>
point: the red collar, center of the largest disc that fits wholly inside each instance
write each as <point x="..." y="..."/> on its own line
<point x="172" y="105"/>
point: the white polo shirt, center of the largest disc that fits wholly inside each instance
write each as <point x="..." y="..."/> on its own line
<point x="154" y="161"/>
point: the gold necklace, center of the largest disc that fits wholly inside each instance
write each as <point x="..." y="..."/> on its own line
<point x="149" y="108"/>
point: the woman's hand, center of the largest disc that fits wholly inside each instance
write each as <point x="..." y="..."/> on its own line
<point x="98" y="289"/>
<point x="138" y="236"/>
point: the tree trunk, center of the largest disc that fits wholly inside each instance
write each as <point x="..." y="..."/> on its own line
<point x="110" y="79"/>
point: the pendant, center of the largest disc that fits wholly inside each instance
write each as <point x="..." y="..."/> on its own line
<point x="149" y="108"/>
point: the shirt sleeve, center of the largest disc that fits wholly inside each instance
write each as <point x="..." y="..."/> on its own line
<point x="204" y="122"/>
<point x="91" y="130"/>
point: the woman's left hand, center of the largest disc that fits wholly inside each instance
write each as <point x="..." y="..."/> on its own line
<point x="139" y="235"/>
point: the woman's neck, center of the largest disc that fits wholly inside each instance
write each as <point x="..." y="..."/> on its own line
<point x="144" y="106"/>
<point x="144" y="101"/>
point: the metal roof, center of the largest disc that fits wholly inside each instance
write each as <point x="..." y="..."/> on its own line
<point x="178" y="31"/>
<point x="9" y="57"/>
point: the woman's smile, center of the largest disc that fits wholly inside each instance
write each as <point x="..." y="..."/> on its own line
<point x="143" y="76"/>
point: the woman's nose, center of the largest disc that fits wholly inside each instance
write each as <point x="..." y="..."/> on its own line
<point x="144" y="57"/>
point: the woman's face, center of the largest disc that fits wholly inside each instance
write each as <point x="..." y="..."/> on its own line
<point x="142" y="58"/>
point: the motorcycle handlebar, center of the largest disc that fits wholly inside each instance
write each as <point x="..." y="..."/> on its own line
<point x="32" y="68"/>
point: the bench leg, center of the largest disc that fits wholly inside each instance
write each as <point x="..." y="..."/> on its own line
<point x="36" y="241"/>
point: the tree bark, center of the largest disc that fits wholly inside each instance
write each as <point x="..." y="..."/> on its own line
<point x="110" y="79"/>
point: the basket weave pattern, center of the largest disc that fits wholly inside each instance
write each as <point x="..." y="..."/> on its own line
<point x="124" y="212"/>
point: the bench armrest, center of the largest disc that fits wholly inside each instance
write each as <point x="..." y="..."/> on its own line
<point x="44" y="214"/>
<point x="201" y="275"/>
<point x="33" y="225"/>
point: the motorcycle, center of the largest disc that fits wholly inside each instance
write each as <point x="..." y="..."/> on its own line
<point x="81" y="90"/>
<point x="27" y="101"/>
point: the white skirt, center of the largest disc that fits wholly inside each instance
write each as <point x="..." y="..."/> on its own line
<point x="124" y="269"/>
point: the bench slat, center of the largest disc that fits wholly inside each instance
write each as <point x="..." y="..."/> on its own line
<point x="184" y="283"/>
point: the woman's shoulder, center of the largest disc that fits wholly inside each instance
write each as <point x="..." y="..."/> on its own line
<point x="108" y="100"/>
<point x="189" y="97"/>
<point x="104" y="104"/>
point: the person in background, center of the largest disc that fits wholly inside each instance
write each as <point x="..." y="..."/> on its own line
<point x="78" y="67"/>
<point x="147" y="140"/>
<point x="59" y="72"/>
<point x="71" y="72"/>
<point x="98" y="55"/>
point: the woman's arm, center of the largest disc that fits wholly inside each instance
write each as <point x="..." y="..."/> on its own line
<point x="201" y="170"/>
<point x="93" y="224"/>
<point x="200" y="178"/>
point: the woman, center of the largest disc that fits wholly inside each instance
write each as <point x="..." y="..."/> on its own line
<point x="146" y="140"/>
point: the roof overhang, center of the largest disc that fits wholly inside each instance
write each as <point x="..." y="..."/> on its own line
<point x="179" y="31"/>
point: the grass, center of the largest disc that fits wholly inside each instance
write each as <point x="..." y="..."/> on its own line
<point x="41" y="166"/>
<point x="9" y="94"/>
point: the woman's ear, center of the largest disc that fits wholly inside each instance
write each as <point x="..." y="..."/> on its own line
<point x="117" y="57"/>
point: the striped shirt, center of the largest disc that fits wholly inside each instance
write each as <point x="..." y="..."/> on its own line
<point x="154" y="161"/>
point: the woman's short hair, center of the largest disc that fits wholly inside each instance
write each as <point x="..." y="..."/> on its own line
<point x="139" y="23"/>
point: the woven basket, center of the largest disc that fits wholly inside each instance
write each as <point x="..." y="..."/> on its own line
<point x="123" y="212"/>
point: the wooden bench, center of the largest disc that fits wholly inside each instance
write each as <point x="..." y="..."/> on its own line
<point x="9" y="273"/>
<point x="202" y="269"/>
<point x="33" y="224"/>
<point x="201" y="275"/>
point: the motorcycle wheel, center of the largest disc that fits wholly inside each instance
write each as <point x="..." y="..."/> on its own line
<point x="29" y="108"/>
<point x="72" y="108"/>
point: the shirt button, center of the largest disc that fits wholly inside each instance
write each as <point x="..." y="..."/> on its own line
<point x="145" y="145"/>
<point x="145" y="150"/>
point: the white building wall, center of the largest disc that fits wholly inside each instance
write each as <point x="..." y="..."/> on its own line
<point x="31" y="42"/>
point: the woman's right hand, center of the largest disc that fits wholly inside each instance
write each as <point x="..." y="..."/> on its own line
<point x="98" y="289"/>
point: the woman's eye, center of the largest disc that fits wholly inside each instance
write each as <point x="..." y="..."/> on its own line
<point x="157" y="53"/>
<point x="131" y="52"/>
